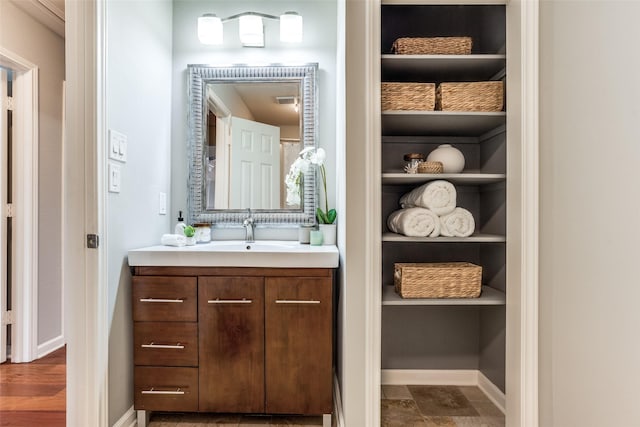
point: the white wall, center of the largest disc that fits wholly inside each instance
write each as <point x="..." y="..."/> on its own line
<point x="24" y="36"/>
<point x="319" y="45"/>
<point x="590" y="206"/>
<point x="138" y="105"/>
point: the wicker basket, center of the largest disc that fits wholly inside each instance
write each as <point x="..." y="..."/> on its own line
<point x="408" y="96"/>
<point x="432" y="46"/>
<point x="474" y="96"/>
<point x="437" y="280"/>
<point x="430" y="167"/>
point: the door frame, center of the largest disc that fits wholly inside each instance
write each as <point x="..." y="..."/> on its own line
<point x="24" y="331"/>
<point x="84" y="269"/>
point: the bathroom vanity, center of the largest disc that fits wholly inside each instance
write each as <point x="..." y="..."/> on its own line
<point x="234" y="336"/>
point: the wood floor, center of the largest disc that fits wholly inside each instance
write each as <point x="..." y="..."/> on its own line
<point x="34" y="394"/>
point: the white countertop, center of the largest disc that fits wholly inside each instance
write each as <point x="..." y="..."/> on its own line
<point x="237" y="253"/>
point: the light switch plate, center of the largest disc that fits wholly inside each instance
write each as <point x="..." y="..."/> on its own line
<point x="117" y="146"/>
<point x="114" y="178"/>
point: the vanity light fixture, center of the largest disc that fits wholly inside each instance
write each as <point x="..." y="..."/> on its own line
<point x="251" y="28"/>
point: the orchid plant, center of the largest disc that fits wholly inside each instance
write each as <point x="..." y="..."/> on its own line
<point x="308" y="157"/>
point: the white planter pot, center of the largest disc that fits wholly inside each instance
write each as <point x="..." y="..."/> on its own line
<point x="328" y="233"/>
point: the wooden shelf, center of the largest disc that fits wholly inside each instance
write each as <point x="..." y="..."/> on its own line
<point x="475" y="238"/>
<point x="489" y="296"/>
<point x="467" y="178"/>
<point x="439" y="68"/>
<point x="440" y="122"/>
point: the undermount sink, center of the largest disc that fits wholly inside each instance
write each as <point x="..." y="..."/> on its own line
<point x="238" y="253"/>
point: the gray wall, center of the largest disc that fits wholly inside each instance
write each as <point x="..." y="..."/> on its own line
<point x="24" y="36"/>
<point x="318" y="45"/>
<point x="590" y="205"/>
<point x="139" y="105"/>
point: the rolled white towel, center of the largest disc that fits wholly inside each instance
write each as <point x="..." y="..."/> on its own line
<point x="459" y="223"/>
<point x="439" y="196"/>
<point x="173" y="240"/>
<point x="414" y="222"/>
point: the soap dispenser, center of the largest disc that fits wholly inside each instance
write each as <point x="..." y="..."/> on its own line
<point x="180" y="225"/>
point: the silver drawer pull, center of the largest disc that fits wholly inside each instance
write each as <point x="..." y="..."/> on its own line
<point x="229" y="301"/>
<point x="171" y="392"/>
<point x="291" y="301"/>
<point x="160" y="300"/>
<point x="152" y="345"/>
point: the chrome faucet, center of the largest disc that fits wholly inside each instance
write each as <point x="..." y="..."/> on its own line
<point x="248" y="227"/>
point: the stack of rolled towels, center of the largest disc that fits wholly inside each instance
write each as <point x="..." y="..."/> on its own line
<point x="430" y="211"/>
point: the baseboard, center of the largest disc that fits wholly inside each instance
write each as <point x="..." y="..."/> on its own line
<point x="445" y="377"/>
<point x="337" y="403"/>
<point x="128" y="419"/>
<point x="492" y="391"/>
<point x="429" y="377"/>
<point x="50" y="346"/>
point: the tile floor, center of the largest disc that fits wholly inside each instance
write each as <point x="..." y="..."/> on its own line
<point x="229" y="420"/>
<point x="438" y="406"/>
<point x="401" y="406"/>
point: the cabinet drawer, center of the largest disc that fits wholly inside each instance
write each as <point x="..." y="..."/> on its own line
<point x="157" y="298"/>
<point x="165" y="343"/>
<point x="166" y="389"/>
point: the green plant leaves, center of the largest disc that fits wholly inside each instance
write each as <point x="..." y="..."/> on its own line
<point x="326" y="218"/>
<point x="189" y="231"/>
<point x="331" y="216"/>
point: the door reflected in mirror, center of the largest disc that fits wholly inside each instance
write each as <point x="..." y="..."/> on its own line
<point x="253" y="136"/>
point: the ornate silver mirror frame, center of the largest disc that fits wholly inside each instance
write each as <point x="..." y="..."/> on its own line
<point x="199" y="77"/>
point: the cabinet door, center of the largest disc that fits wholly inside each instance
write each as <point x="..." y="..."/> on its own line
<point x="298" y="331"/>
<point x="231" y="344"/>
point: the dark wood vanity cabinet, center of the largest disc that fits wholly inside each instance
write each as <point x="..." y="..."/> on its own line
<point x="231" y="334"/>
<point x="254" y="340"/>
<point x="298" y="345"/>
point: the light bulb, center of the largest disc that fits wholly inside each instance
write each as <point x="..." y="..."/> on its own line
<point x="210" y="29"/>
<point x="251" y="31"/>
<point x="290" y="27"/>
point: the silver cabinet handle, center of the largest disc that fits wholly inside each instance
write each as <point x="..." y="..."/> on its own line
<point x="291" y="301"/>
<point x="229" y="301"/>
<point x="171" y="392"/>
<point x="152" y="345"/>
<point x="160" y="300"/>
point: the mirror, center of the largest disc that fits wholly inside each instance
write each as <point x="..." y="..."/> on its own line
<point x="246" y="126"/>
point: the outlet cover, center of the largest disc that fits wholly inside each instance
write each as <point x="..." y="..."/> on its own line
<point x="162" y="203"/>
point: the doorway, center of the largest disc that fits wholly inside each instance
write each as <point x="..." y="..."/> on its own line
<point x="19" y="204"/>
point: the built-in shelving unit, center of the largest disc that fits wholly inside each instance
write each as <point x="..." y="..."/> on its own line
<point x="453" y="123"/>
<point x="467" y="178"/>
<point x="489" y="296"/>
<point x="481" y="189"/>
<point x="441" y="67"/>
<point x="474" y="238"/>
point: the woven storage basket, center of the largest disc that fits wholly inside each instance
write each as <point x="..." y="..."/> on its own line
<point x="430" y="167"/>
<point x="432" y="46"/>
<point x="408" y="96"/>
<point x="474" y="96"/>
<point x="437" y="280"/>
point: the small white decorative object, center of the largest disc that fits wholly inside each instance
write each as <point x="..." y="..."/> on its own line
<point x="451" y="158"/>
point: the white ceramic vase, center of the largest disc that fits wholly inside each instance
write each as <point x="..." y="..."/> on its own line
<point x="328" y="233"/>
<point x="451" y="158"/>
<point x="191" y="241"/>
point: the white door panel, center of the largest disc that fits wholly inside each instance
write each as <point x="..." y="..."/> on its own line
<point x="255" y="165"/>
